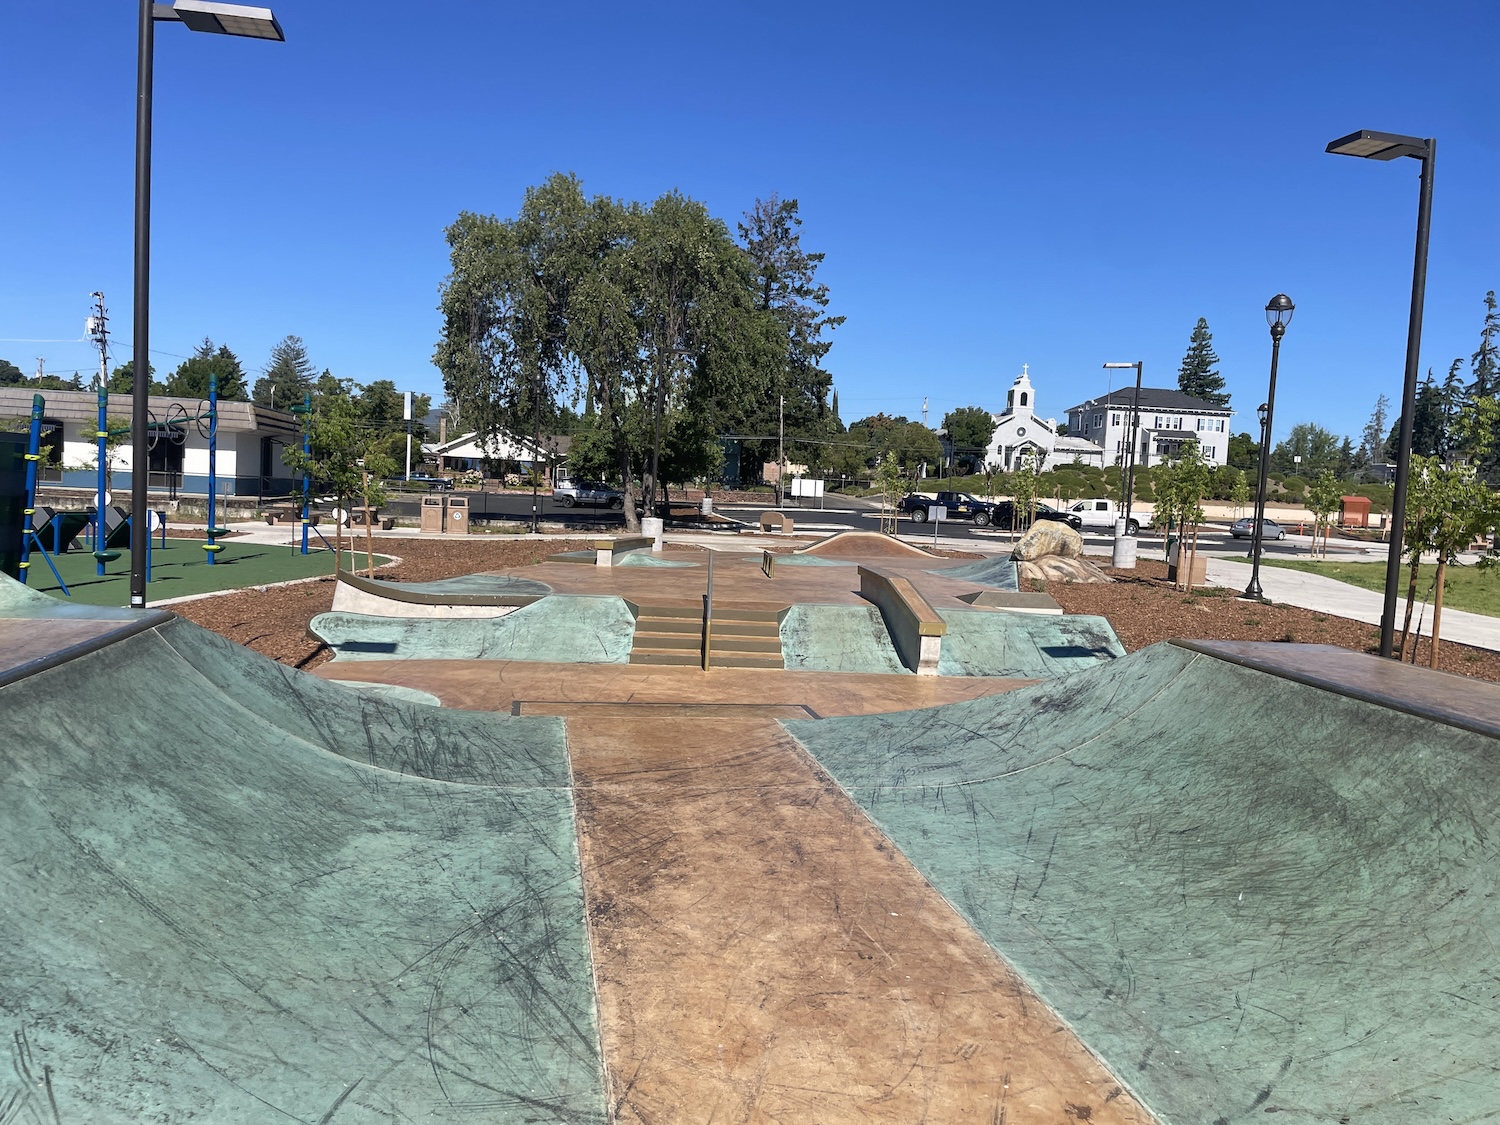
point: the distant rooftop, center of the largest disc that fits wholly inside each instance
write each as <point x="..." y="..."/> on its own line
<point x="1153" y="398"/>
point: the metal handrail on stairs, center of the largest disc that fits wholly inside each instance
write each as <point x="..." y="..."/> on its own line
<point x="708" y="612"/>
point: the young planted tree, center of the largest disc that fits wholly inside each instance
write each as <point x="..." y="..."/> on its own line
<point x="374" y="467"/>
<point x="889" y="480"/>
<point x="1024" y="486"/>
<point x="1180" y="489"/>
<point x="1461" y="508"/>
<point x="1416" y="535"/>
<point x="334" y="449"/>
<point x="1239" y="492"/>
<point x="1322" y="500"/>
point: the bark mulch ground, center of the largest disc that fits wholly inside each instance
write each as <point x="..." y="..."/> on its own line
<point x="1144" y="608"/>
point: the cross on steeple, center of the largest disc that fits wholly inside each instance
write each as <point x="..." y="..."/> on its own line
<point x="1025" y="367"/>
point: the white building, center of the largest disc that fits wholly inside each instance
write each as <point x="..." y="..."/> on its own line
<point x="1018" y="428"/>
<point x="1167" y="420"/>
<point x="471" y="452"/>
<point x="247" y="459"/>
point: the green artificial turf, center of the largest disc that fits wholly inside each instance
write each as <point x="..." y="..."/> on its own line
<point x="181" y="568"/>
<point x="1465" y="587"/>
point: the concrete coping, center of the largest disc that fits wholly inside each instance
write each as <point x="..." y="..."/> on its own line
<point x="397" y="592"/>
<point x="915" y="627"/>
<point x="622" y="544"/>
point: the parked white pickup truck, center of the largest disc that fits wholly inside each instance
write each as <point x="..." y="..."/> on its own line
<point x="1102" y="514"/>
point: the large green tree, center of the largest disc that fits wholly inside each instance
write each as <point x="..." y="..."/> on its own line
<point x="1485" y="363"/>
<point x="1318" y="448"/>
<point x="794" y="392"/>
<point x="1427" y="436"/>
<point x="122" y="380"/>
<point x="190" y="380"/>
<point x="1199" y="375"/>
<point x="288" y="376"/>
<point x="10" y="374"/>
<point x="647" y="313"/>
<point x="970" y="429"/>
<point x="1372" y="447"/>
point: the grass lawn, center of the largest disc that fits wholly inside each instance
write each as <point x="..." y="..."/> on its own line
<point x="180" y="568"/>
<point x="1467" y="587"/>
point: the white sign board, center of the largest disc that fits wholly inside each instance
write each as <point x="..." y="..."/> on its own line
<point x="802" y="486"/>
<point x="936" y="512"/>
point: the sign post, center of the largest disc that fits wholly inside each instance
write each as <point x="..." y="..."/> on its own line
<point x="937" y="513"/>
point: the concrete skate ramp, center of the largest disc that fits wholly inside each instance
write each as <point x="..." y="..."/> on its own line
<point x="1247" y="893"/>
<point x="472" y="595"/>
<point x="865" y="545"/>
<point x="560" y="628"/>
<point x="235" y="893"/>
<point x="997" y="573"/>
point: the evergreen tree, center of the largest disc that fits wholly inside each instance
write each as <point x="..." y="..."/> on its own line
<point x="1486" y="361"/>
<point x="10" y="374"/>
<point x="1198" y="376"/>
<point x="288" y="377"/>
<point x="1372" y="447"/>
<point x="1455" y="397"/>
<point x="190" y="380"/>
<point x="122" y="380"/>
<point x="1427" y="429"/>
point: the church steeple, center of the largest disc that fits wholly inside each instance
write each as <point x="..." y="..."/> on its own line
<point x="1021" y="399"/>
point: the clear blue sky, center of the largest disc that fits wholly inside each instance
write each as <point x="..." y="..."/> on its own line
<point x="993" y="184"/>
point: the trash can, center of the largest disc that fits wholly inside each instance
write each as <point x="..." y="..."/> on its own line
<point x="706" y="506"/>
<point x="434" y="510"/>
<point x="1124" y="552"/>
<point x="456" y="521"/>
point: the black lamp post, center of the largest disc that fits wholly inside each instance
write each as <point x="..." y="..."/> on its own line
<point x="197" y="15"/>
<point x="1133" y="429"/>
<point x="1370" y="145"/>
<point x="1278" y="316"/>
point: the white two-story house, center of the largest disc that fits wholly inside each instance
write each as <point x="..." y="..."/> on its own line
<point x="1167" y="420"/>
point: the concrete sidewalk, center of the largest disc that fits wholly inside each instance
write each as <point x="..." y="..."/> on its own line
<point x="1314" y="591"/>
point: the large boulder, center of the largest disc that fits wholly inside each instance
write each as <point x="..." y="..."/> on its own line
<point x="1048" y="537"/>
<point x="1055" y="568"/>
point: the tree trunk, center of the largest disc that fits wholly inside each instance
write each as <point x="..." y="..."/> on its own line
<point x="1411" y="605"/>
<point x="1437" y="609"/>
<point x="1192" y="558"/>
<point x="369" y="529"/>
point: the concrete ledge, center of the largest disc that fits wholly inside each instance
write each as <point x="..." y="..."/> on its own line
<point x="605" y="550"/>
<point x="1013" y="602"/>
<point x="355" y="594"/>
<point x="776" y="521"/>
<point x="915" y="627"/>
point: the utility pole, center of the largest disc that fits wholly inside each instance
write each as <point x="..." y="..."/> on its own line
<point x="408" y="435"/>
<point x="924" y="410"/>
<point x="781" y="453"/>
<point x="97" y="326"/>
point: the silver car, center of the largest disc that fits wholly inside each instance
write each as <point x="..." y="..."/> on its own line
<point x="588" y="493"/>
<point x="1245" y="529"/>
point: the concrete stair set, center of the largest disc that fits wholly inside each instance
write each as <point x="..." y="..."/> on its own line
<point x="740" y="638"/>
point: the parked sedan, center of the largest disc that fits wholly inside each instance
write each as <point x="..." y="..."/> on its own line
<point x="1245" y="529"/>
<point x="1005" y="515"/>
<point x="590" y="493"/>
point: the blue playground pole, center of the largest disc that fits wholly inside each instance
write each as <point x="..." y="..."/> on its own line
<point x="33" y="456"/>
<point x="306" y="452"/>
<point x="101" y="436"/>
<point x="214" y="530"/>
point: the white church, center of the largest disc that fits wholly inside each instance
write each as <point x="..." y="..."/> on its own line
<point x="1018" y="428"/>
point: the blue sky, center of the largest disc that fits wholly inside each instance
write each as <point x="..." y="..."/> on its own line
<point x="994" y="184"/>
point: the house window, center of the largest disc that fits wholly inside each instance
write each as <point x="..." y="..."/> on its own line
<point x="1098" y="419"/>
<point x="1115" y="420"/>
<point x="1158" y="423"/>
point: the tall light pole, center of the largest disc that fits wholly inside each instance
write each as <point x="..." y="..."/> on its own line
<point x="1135" y="421"/>
<point x="197" y="15"/>
<point x="1370" y="145"/>
<point x="1278" y="316"/>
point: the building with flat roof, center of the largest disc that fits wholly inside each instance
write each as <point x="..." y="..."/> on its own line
<point x="250" y="441"/>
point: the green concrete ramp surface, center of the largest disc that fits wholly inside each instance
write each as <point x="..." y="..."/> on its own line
<point x="235" y="893"/>
<point x="1249" y="895"/>
<point x="559" y="628"/>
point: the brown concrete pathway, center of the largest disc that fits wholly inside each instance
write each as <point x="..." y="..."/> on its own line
<point x="496" y="685"/>
<point x="763" y="954"/>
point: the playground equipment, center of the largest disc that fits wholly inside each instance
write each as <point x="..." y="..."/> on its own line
<point x="28" y="529"/>
<point x="101" y="529"/>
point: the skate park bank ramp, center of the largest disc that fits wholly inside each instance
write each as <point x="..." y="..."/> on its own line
<point x="232" y="892"/>
<point x="1254" y="879"/>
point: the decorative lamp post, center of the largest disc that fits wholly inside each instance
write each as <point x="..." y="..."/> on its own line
<point x="197" y="15"/>
<point x="1278" y="316"/>
<point x="1370" y="145"/>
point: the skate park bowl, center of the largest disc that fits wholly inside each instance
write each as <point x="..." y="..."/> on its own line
<point x="235" y="892"/>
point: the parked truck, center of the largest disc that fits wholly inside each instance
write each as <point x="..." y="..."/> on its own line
<point x="960" y="505"/>
<point x="1100" y="515"/>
